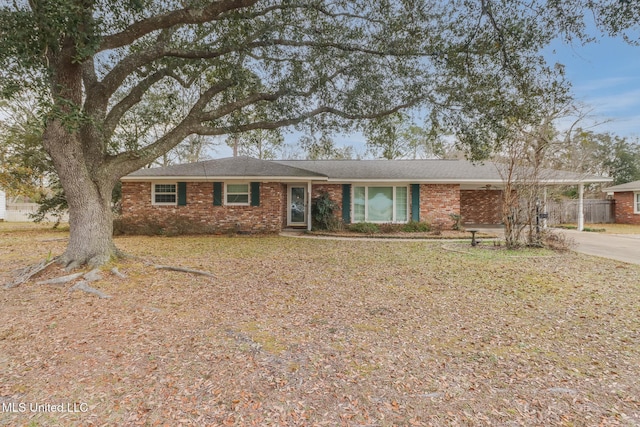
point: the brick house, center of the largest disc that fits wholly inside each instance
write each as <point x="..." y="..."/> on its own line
<point x="627" y="202"/>
<point x="251" y="195"/>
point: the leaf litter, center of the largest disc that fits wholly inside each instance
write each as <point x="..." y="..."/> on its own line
<point x="316" y="332"/>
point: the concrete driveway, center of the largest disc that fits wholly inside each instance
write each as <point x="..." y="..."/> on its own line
<point x="621" y="247"/>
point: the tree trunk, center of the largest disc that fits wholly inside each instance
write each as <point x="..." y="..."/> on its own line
<point x="88" y="194"/>
<point x="73" y="142"/>
<point x="91" y="229"/>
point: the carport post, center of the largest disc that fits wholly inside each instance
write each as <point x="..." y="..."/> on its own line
<point x="580" y="207"/>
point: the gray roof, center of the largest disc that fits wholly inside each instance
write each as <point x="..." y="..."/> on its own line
<point x="230" y="167"/>
<point x="437" y="171"/>
<point x="629" y="186"/>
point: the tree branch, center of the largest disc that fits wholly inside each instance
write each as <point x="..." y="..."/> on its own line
<point x="171" y="19"/>
<point x="134" y="96"/>
<point x="266" y="124"/>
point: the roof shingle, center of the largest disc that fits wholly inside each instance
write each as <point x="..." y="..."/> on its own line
<point x="440" y="171"/>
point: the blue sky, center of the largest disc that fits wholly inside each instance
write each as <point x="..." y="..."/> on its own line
<point x="606" y="79"/>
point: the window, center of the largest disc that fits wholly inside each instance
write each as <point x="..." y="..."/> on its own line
<point x="237" y="194"/>
<point x="380" y="204"/>
<point x="164" y="194"/>
<point x="636" y="204"/>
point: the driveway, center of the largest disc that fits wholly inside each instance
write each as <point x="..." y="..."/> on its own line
<point x="621" y="247"/>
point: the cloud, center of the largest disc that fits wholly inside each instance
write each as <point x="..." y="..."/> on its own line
<point x="616" y="104"/>
<point x="604" y="83"/>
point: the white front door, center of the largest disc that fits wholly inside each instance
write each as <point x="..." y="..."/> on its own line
<point x="297" y="205"/>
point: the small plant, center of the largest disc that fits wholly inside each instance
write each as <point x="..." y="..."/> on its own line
<point x="323" y="212"/>
<point x="365" y="228"/>
<point x="457" y="222"/>
<point x="416" y="227"/>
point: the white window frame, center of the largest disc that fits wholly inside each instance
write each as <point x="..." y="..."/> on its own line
<point x="636" y="202"/>
<point x="153" y="194"/>
<point x="226" y="193"/>
<point x="366" y="203"/>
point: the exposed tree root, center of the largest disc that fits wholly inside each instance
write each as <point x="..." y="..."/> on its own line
<point x="60" y="280"/>
<point x="117" y="272"/>
<point x="183" y="270"/>
<point x="93" y="275"/>
<point x="27" y="273"/>
<point x="24" y="274"/>
<point x="83" y="286"/>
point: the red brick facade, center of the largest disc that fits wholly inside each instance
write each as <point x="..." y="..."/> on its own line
<point x="199" y="214"/>
<point x="438" y="202"/>
<point x="624" y="208"/>
<point x="481" y="206"/>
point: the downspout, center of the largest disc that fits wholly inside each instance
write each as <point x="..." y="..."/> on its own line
<point x="580" y="207"/>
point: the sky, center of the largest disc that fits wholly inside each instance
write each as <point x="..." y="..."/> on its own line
<point x="606" y="79"/>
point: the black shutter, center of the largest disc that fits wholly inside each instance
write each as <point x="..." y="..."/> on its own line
<point x="217" y="194"/>
<point x="346" y="203"/>
<point x="182" y="194"/>
<point x="255" y="194"/>
<point x="415" y="202"/>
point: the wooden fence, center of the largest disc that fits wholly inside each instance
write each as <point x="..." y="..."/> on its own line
<point x="596" y="211"/>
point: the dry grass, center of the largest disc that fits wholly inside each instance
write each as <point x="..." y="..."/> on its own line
<point x="318" y="332"/>
<point x="620" y="228"/>
<point x="614" y="228"/>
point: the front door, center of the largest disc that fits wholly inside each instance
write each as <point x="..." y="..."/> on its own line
<point x="297" y="211"/>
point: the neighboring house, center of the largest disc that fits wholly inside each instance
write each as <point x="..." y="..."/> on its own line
<point x="251" y="195"/>
<point x="627" y="202"/>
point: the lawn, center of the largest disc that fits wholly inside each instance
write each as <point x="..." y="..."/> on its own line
<point x="611" y="228"/>
<point x="320" y="332"/>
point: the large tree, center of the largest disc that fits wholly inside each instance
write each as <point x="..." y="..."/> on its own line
<point x="93" y="64"/>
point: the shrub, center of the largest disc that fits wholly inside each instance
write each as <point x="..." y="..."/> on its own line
<point x="364" y="227"/>
<point x="323" y="212"/>
<point x="416" y="227"/>
<point x="457" y="222"/>
<point x="557" y="241"/>
<point x="172" y="225"/>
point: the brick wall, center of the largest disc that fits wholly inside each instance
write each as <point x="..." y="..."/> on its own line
<point x="199" y="214"/>
<point x="624" y="208"/>
<point x="437" y="202"/>
<point x="481" y="206"/>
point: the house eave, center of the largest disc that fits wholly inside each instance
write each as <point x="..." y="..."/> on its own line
<point x="223" y="178"/>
